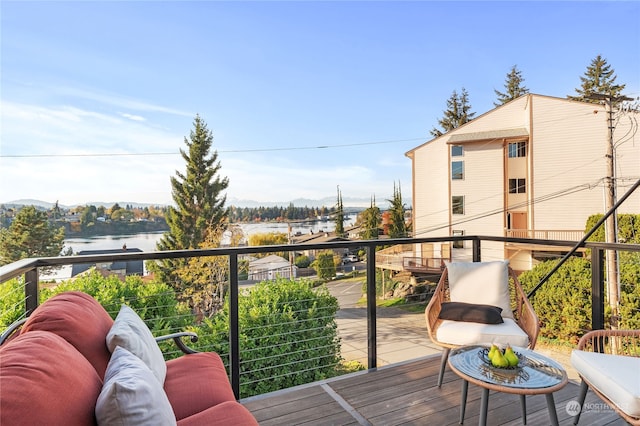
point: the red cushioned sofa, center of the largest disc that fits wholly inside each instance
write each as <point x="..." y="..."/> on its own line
<point x="52" y="371"/>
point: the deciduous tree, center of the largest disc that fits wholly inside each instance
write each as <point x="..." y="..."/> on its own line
<point x="339" y="218"/>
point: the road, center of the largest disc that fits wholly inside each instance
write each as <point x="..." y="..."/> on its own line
<point x="401" y="335"/>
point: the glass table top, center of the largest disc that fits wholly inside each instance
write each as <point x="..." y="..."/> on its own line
<point x="534" y="371"/>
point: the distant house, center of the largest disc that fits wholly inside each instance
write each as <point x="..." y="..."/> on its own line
<point x="270" y="268"/>
<point x="318" y="237"/>
<point x="120" y="268"/>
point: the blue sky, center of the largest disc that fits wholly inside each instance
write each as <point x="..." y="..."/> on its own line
<point x="301" y="96"/>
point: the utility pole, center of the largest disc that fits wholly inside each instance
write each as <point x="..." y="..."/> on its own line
<point x="611" y="235"/>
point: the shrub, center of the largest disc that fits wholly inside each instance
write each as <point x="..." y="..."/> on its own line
<point x="288" y="335"/>
<point x="325" y="265"/>
<point x="302" y="261"/>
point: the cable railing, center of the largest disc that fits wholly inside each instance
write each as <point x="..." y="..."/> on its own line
<point x="305" y="346"/>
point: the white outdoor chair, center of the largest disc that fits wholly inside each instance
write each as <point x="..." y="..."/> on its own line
<point x="608" y="362"/>
<point x="489" y="284"/>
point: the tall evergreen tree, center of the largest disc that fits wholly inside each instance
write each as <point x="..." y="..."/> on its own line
<point x="30" y="235"/>
<point x="513" y="87"/>
<point x="339" y="218"/>
<point x="599" y="78"/>
<point x="371" y="220"/>
<point x="457" y="113"/>
<point x="397" y="228"/>
<point x="197" y="194"/>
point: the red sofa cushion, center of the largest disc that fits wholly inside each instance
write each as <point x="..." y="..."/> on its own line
<point x="196" y="382"/>
<point x="226" y="413"/>
<point x="80" y="320"/>
<point x="46" y="381"/>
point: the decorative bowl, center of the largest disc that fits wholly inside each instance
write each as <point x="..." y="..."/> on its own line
<point x="484" y="356"/>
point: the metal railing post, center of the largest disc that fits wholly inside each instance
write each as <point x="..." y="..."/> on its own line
<point x="234" y="333"/>
<point x="30" y="291"/>
<point x="476" y="250"/>
<point x="372" y="344"/>
<point x="597" y="289"/>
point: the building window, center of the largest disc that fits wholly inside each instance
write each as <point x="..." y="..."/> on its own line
<point x="457" y="170"/>
<point x="517" y="149"/>
<point x="456" y="150"/>
<point x="517" y="186"/>
<point x="457" y="204"/>
<point x="458" y="244"/>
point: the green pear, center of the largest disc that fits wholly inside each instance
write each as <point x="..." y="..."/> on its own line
<point x="492" y="352"/>
<point x="499" y="360"/>
<point x="511" y="357"/>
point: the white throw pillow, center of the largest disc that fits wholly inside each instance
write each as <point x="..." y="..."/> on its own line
<point x="131" y="395"/>
<point x="485" y="283"/>
<point x="131" y="333"/>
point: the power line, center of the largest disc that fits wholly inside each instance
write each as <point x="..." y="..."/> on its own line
<point x="142" y="154"/>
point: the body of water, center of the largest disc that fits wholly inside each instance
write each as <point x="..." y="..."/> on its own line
<point x="147" y="241"/>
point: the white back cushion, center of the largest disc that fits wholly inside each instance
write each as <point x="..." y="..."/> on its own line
<point x="131" y="395"/>
<point x="131" y="333"/>
<point x="485" y="283"/>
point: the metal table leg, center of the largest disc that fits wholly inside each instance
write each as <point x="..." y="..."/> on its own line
<point x="463" y="401"/>
<point x="551" y="406"/>
<point x="484" y="406"/>
<point x="523" y="406"/>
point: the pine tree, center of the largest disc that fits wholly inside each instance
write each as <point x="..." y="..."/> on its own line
<point x="599" y="78"/>
<point x="30" y="235"/>
<point x="339" y="218"/>
<point x="513" y="87"/>
<point x="197" y="194"/>
<point x="458" y="112"/>
<point x="371" y="220"/>
<point x="398" y="228"/>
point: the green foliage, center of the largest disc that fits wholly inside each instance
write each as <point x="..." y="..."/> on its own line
<point x="628" y="228"/>
<point x="599" y="78"/>
<point x="339" y="218"/>
<point x="371" y="219"/>
<point x="302" y="261"/>
<point x="384" y="283"/>
<point x="513" y="87"/>
<point x="197" y="194"/>
<point x="30" y="235"/>
<point x="563" y="303"/>
<point x="457" y="113"/>
<point x="325" y="265"/>
<point x="154" y="302"/>
<point x="12" y="304"/>
<point x="288" y="335"/>
<point x="397" y="228"/>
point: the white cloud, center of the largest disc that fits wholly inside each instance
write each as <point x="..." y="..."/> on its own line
<point x="132" y="117"/>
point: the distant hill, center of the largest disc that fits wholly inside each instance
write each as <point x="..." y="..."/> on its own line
<point x="350" y="203"/>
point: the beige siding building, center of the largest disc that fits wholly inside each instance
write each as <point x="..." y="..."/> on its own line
<point x="534" y="167"/>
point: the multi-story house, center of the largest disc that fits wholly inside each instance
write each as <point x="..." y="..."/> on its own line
<point x="535" y="167"/>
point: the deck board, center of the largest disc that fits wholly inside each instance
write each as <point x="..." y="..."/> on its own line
<point x="407" y="394"/>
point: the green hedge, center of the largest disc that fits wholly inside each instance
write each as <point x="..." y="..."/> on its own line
<point x="288" y="335"/>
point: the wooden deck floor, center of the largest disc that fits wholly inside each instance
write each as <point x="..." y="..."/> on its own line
<point x="406" y="394"/>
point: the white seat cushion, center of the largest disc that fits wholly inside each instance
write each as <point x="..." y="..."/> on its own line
<point x="485" y="283"/>
<point x="615" y="376"/>
<point x="474" y="333"/>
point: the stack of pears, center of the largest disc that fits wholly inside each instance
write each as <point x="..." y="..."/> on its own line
<point x="500" y="359"/>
